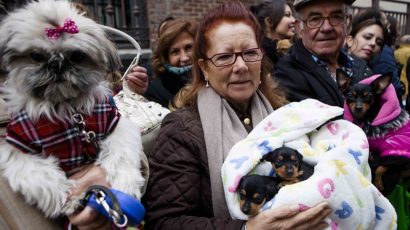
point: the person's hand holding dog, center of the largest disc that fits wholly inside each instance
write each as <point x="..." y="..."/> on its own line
<point x="291" y="217"/>
<point x="138" y="80"/>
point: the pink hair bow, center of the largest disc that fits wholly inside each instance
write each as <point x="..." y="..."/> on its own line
<point x="68" y="27"/>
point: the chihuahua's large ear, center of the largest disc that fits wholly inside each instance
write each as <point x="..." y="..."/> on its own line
<point x="381" y="83"/>
<point x="272" y="190"/>
<point x="343" y="80"/>
<point x="300" y="156"/>
<point x="268" y="156"/>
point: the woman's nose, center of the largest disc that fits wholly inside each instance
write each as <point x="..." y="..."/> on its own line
<point x="185" y="57"/>
<point x="239" y="63"/>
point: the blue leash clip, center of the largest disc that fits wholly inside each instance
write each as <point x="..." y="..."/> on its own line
<point x="122" y="209"/>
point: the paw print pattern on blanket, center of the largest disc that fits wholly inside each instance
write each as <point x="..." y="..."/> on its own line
<point x="339" y="152"/>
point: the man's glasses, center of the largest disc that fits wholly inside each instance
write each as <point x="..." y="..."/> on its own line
<point x="316" y="21"/>
<point x="227" y="59"/>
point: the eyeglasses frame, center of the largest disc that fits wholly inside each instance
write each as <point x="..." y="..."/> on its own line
<point x="236" y="57"/>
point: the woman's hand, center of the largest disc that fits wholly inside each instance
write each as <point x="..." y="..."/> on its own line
<point x="88" y="218"/>
<point x="137" y="80"/>
<point x="290" y="217"/>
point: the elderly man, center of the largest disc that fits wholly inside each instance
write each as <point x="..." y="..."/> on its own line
<point x="309" y="71"/>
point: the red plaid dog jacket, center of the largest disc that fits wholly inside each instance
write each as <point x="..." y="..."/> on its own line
<point x="61" y="139"/>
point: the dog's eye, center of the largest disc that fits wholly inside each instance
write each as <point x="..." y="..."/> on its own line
<point x="368" y="96"/>
<point x="278" y="163"/>
<point x="77" y="56"/>
<point x="38" y="57"/>
<point x="258" y="200"/>
<point x="241" y="196"/>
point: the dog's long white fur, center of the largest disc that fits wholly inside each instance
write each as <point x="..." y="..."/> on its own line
<point x="40" y="180"/>
<point x="120" y="156"/>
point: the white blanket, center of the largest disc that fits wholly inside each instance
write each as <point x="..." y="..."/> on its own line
<point x="338" y="150"/>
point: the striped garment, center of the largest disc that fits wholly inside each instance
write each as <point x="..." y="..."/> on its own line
<point x="61" y="139"/>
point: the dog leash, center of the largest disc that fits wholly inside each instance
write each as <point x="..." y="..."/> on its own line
<point x="104" y="196"/>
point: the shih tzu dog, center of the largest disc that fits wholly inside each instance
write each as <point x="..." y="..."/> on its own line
<point x="63" y="117"/>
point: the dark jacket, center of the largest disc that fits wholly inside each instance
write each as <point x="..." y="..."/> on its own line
<point x="179" y="191"/>
<point x="303" y="78"/>
<point x="385" y="62"/>
<point x="165" y="86"/>
<point x="269" y="47"/>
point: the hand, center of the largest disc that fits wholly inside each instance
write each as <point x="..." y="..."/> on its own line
<point x="137" y="80"/>
<point x="91" y="175"/>
<point x="88" y="218"/>
<point x="290" y="217"/>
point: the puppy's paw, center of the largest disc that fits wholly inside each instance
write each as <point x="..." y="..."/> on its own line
<point x="73" y="204"/>
<point x="379" y="184"/>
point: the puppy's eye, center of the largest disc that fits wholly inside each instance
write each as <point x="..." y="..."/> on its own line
<point x="38" y="57"/>
<point x="258" y="200"/>
<point x="241" y="196"/>
<point x="77" y="56"/>
<point x="278" y="163"/>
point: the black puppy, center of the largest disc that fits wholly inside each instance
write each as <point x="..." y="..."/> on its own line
<point x="363" y="99"/>
<point x="288" y="164"/>
<point x="254" y="191"/>
<point x="364" y="105"/>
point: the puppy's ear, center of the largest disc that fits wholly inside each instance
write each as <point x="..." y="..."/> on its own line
<point x="271" y="190"/>
<point x="343" y="80"/>
<point x="381" y="83"/>
<point x="300" y="156"/>
<point x="268" y="156"/>
<point x="240" y="184"/>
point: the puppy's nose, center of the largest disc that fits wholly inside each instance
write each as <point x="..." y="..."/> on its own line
<point x="289" y="171"/>
<point x="246" y="208"/>
<point x="55" y="63"/>
<point x="358" y="109"/>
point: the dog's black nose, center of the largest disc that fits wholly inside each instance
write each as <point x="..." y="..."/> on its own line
<point x="56" y="63"/>
<point x="358" y="109"/>
<point x="289" y="170"/>
<point x="246" y="208"/>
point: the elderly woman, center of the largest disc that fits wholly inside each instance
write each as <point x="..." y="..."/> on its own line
<point x="231" y="92"/>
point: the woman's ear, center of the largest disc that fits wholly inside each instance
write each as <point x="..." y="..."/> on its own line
<point x="268" y="22"/>
<point x="203" y="66"/>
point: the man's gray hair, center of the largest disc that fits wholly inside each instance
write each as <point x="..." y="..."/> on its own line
<point x="346" y="9"/>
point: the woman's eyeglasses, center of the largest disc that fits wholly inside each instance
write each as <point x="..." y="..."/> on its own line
<point x="227" y="59"/>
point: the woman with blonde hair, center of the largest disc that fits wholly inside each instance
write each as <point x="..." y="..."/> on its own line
<point x="171" y="63"/>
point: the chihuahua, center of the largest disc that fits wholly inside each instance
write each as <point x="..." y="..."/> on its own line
<point x="363" y="99"/>
<point x="287" y="164"/>
<point x="363" y="103"/>
<point x="254" y="191"/>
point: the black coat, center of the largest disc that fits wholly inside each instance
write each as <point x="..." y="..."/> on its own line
<point x="164" y="87"/>
<point x="303" y="78"/>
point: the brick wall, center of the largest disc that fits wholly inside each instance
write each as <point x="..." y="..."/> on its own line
<point x="157" y="10"/>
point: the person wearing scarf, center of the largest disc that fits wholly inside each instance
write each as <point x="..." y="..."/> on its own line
<point x="231" y="92"/>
